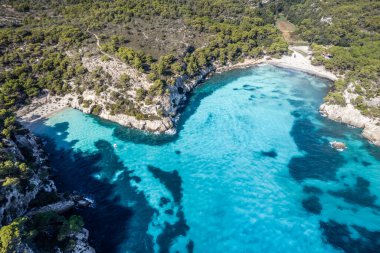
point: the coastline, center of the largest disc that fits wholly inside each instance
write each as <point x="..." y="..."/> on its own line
<point x="43" y="107"/>
<point x="47" y="106"/>
<point x="296" y="61"/>
<point x="302" y="63"/>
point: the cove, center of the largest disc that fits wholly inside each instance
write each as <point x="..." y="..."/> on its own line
<point x="250" y="170"/>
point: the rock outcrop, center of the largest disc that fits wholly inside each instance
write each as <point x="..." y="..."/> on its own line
<point x="16" y="197"/>
<point x="340" y="146"/>
<point x="353" y="117"/>
<point x="348" y="114"/>
<point x="169" y="103"/>
<point x="80" y="244"/>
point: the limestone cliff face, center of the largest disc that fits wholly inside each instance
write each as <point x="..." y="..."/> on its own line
<point x="351" y="116"/>
<point x="80" y="244"/>
<point x="180" y="92"/>
<point x="348" y="114"/>
<point x="159" y="125"/>
<point x="126" y="91"/>
<point x="168" y="103"/>
<point x="16" y="198"/>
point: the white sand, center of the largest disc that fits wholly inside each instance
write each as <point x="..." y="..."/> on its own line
<point x="46" y="105"/>
<point x="302" y="63"/>
<point x="42" y="107"/>
<point x="296" y="61"/>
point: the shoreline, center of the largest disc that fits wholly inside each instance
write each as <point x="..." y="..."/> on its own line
<point x="298" y="63"/>
<point x="46" y="106"/>
<point x="42" y="108"/>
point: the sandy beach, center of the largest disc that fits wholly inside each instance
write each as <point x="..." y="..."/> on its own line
<point x="42" y="107"/>
<point x="296" y="61"/>
<point x="46" y="105"/>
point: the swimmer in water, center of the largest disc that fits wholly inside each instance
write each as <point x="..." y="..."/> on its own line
<point x="114" y="145"/>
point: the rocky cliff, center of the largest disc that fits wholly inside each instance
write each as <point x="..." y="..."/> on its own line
<point x="159" y="112"/>
<point x="351" y="116"/>
<point x="26" y="186"/>
<point x="17" y="197"/>
<point x="162" y="108"/>
<point x="156" y="113"/>
<point x="348" y="114"/>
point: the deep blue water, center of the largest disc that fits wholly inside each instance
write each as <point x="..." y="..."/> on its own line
<point x="251" y="170"/>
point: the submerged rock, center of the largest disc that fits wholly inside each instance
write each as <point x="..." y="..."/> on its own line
<point x="340" y="146"/>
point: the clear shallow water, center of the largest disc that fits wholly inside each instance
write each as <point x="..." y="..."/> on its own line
<point x="251" y="170"/>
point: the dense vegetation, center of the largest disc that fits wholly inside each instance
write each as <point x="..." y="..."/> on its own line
<point x="21" y="172"/>
<point x="43" y="231"/>
<point x="346" y="39"/>
<point x="34" y="51"/>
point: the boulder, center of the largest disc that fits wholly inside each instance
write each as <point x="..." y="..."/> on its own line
<point x="338" y="145"/>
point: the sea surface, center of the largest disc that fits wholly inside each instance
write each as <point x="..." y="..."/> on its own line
<point x="250" y="170"/>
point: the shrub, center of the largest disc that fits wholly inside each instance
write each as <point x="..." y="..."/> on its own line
<point x="335" y="98"/>
<point x="157" y="88"/>
<point x="86" y="103"/>
<point x="22" y="7"/>
<point x="73" y="224"/>
<point x="11" y="236"/>
<point x="140" y="94"/>
<point x="10" y="181"/>
<point x="96" y="110"/>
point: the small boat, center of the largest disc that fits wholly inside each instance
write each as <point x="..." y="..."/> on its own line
<point x="114" y="145"/>
<point x="340" y="146"/>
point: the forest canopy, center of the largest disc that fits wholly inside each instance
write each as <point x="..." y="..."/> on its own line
<point x="36" y="37"/>
<point x="348" y="32"/>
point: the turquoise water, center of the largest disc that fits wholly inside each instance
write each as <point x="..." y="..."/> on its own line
<point x="251" y="170"/>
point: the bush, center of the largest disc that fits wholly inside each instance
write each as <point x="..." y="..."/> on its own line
<point x="157" y="88"/>
<point x="22" y="7"/>
<point x="10" y="181"/>
<point x="104" y="58"/>
<point x="73" y="224"/>
<point x="11" y="236"/>
<point x="96" y="110"/>
<point x="335" y="98"/>
<point x="140" y="94"/>
<point x="8" y="168"/>
<point x="86" y="103"/>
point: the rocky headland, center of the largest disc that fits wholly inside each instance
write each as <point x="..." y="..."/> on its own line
<point x="350" y="115"/>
